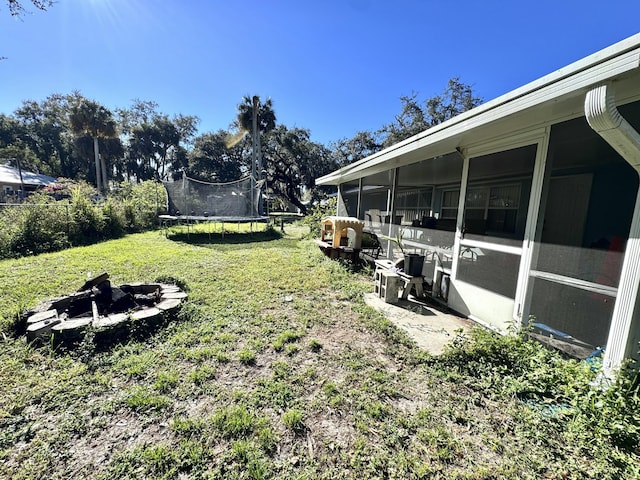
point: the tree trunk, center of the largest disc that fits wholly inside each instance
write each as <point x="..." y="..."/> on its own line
<point x="96" y="152"/>
<point x="105" y="179"/>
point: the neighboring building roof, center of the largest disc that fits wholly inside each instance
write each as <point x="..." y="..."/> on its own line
<point x="555" y="97"/>
<point x="12" y="175"/>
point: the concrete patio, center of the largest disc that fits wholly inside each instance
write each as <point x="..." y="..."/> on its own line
<point x="431" y="326"/>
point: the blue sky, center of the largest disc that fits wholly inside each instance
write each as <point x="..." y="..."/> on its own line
<point x="335" y="67"/>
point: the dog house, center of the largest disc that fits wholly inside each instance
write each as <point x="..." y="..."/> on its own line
<point x="342" y="231"/>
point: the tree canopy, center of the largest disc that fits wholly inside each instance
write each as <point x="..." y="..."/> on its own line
<point x="16" y="7"/>
<point x="416" y="117"/>
<point x="61" y="135"/>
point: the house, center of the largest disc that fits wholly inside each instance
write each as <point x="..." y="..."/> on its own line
<point x="526" y="207"/>
<point x="12" y="181"/>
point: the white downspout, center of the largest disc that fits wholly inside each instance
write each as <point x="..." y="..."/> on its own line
<point x="604" y="118"/>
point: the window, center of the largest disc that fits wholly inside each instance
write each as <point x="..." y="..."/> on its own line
<point x="492" y="209"/>
<point x="450" y="200"/>
<point x="414" y="203"/>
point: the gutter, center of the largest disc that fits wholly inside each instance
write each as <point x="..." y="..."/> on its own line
<point x="605" y="119"/>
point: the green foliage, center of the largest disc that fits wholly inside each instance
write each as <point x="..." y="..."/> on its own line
<point x="567" y="394"/>
<point x="247" y="356"/>
<point x="87" y="221"/>
<point x="510" y="364"/>
<point x="142" y="202"/>
<point x="44" y="224"/>
<point x="611" y="413"/>
<point x="284" y="338"/>
<point x="234" y="422"/>
<point x="32" y="228"/>
<point x="314" y="217"/>
<point x="292" y="419"/>
<point x="142" y="400"/>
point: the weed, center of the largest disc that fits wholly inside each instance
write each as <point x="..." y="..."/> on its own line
<point x="376" y="410"/>
<point x="202" y="374"/>
<point x="233" y="422"/>
<point x="314" y="345"/>
<point x="187" y="426"/>
<point x="142" y="400"/>
<point x="166" y="381"/>
<point x="291" y="350"/>
<point x="247" y="357"/>
<point x="292" y="419"/>
<point x="285" y="337"/>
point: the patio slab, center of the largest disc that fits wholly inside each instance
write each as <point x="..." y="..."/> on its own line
<point x="431" y="327"/>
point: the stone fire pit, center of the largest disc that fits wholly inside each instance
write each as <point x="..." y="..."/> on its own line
<point x="108" y="310"/>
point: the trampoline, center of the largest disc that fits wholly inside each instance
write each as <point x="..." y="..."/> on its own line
<point x="191" y="201"/>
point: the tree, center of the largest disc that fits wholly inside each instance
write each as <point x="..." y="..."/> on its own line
<point x="90" y="118"/>
<point x="44" y="129"/>
<point x="293" y="162"/>
<point x="415" y="118"/>
<point x="266" y="115"/>
<point x="265" y="119"/>
<point x="211" y="160"/>
<point x="154" y="148"/>
<point x="157" y="144"/>
<point x="12" y="148"/>
<point x="16" y="8"/>
<point x="363" y="144"/>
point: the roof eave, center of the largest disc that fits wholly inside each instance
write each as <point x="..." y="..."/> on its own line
<point x="608" y="63"/>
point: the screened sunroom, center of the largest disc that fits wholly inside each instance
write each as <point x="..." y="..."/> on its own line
<point x="525" y="208"/>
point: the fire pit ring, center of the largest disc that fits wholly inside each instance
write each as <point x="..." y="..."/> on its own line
<point x="107" y="310"/>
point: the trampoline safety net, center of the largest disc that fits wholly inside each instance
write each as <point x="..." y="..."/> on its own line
<point x="202" y="200"/>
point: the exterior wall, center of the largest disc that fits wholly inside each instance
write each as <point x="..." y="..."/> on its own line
<point x="566" y="280"/>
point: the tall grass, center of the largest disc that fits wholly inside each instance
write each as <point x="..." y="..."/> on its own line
<point x="44" y="224"/>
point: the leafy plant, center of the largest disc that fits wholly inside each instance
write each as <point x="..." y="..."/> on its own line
<point x="313" y="218"/>
<point x="292" y="419"/>
<point x="247" y="356"/>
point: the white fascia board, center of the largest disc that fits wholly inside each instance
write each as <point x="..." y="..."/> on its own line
<point x="570" y="80"/>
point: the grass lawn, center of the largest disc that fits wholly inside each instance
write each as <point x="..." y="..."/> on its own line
<point x="274" y="368"/>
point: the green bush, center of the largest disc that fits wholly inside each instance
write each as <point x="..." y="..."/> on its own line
<point x="34" y="227"/>
<point x="141" y="204"/>
<point x="44" y="224"/>
<point x="87" y="221"/>
<point x="569" y="395"/>
<point x="314" y="217"/>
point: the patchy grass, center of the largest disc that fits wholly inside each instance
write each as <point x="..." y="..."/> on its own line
<point x="274" y="369"/>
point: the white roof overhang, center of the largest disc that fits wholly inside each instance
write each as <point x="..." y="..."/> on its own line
<point x="11" y="175"/>
<point x="555" y="97"/>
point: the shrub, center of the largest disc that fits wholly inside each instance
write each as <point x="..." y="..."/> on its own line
<point x="35" y="227"/>
<point x="314" y="218"/>
<point x="44" y="224"/>
<point x="141" y="204"/>
<point x="87" y="220"/>
<point x="566" y="392"/>
<point x="114" y="218"/>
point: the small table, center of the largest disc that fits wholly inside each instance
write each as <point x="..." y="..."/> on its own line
<point x="407" y="280"/>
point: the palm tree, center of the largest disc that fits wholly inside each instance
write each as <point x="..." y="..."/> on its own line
<point x="90" y="118"/>
<point x="265" y="121"/>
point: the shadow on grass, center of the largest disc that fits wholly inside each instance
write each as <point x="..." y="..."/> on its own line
<point x="228" y="238"/>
